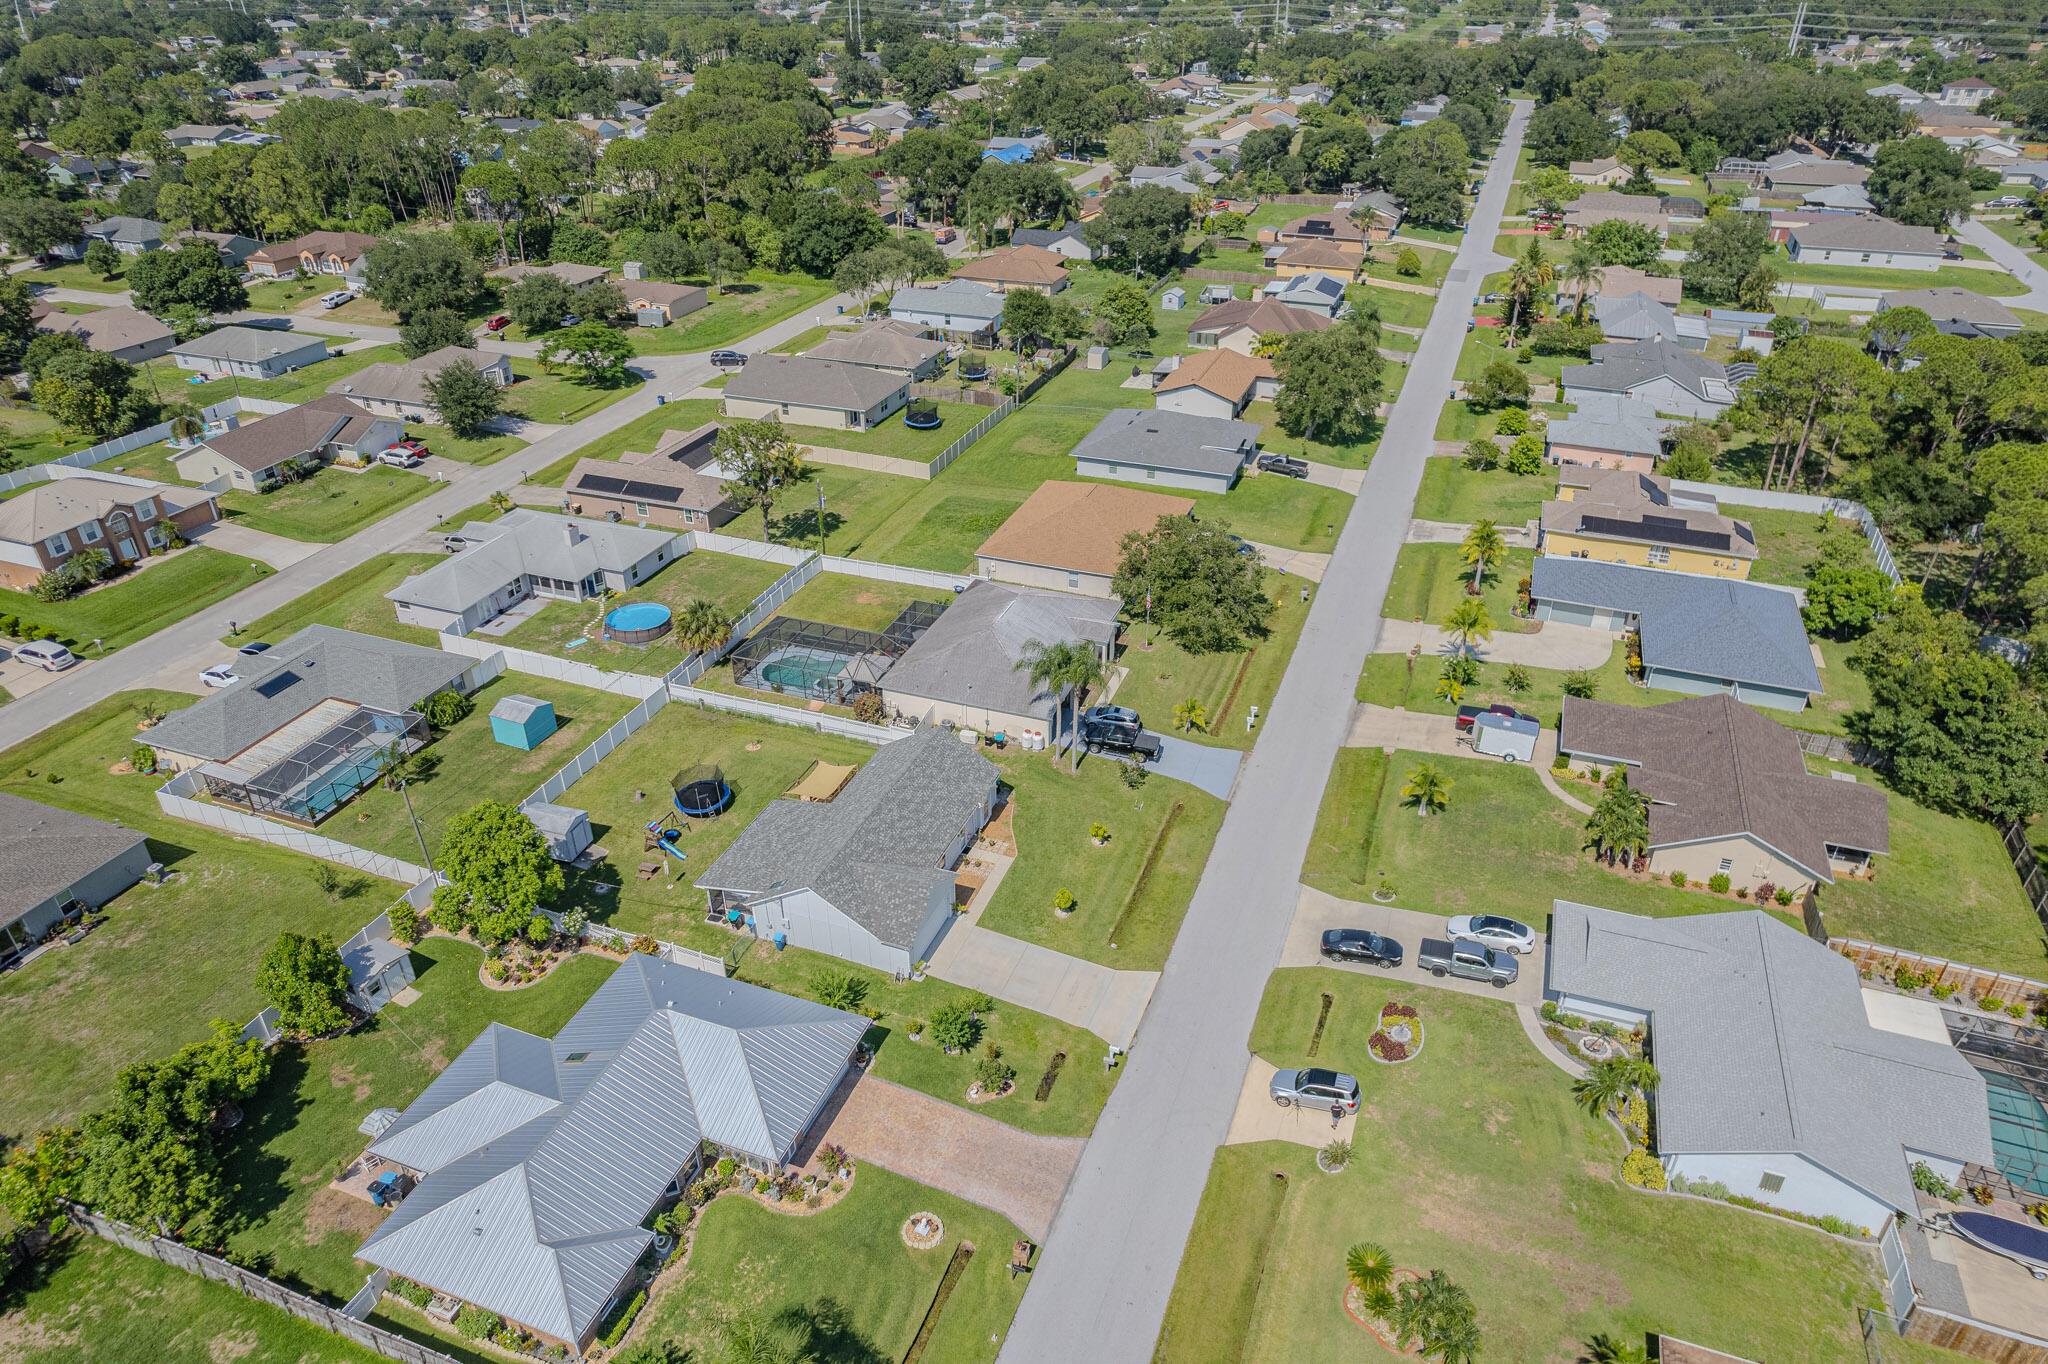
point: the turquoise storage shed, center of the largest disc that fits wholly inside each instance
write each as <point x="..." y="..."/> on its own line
<point x="522" y="721"/>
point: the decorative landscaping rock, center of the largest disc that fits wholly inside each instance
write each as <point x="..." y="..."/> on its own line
<point x="1597" y="1048"/>
<point x="1399" y="1036"/>
<point x="923" y="1231"/>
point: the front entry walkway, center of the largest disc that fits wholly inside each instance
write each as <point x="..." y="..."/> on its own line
<point x="952" y="1148"/>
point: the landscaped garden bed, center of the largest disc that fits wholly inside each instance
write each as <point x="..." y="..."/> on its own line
<point x="1398" y="1037"/>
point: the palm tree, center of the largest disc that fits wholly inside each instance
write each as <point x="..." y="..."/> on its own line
<point x="1581" y="273"/>
<point x="1619" y="826"/>
<point x="1482" y="548"/>
<point x="1605" y="1349"/>
<point x="1066" y="669"/>
<point x="1370" y="1268"/>
<point x="1607" y="1083"/>
<point x="702" y="627"/>
<point x="756" y="1340"/>
<point x="1467" y="623"/>
<point x="1439" y="1315"/>
<point x="1527" y="277"/>
<point x="1191" y="715"/>
<point x="1428" y="790"/>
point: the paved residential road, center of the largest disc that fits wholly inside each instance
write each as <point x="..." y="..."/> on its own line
<point x="2013" y="261"/>
<point x="1101" y="1287"/>
<point x="194" y="641"/>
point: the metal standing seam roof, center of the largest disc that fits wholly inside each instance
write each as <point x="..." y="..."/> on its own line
<point x="1763" y="1046"/>
<point x="804" y="382"/>
<point x="524" y="541"/>
<point x="541" y="1158"/>
<point x="872" y="852"/>
<point x="1162" y="439"/>
<point x="1712" y="627"/>
<point x="45" y="851"/>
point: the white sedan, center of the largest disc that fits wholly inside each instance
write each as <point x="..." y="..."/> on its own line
<point x="1509" y="935"/>
<point x="220" y="675"/>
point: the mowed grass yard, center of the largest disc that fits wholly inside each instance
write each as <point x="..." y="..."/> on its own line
<point x="170" y="957"/>
<point x="857" y="603"/>
<point x="1478" y="1163"/>
<point x="142" y="601"/>
<point x="562" y="397"/>
<point x="733" y="314"/>
<point x="465" y="765"/>
<point x="1451" y="492"/>
<point x="895" y="438"/>
<point x="1160" y="674"/>
<point x="1430" y="579"/>
<point x="332" y="505"/>
<point x="1129" y="893"/>
<point x="727" y="580"/>
<point x="301" y="385"/>
<point x="353" y="601"/>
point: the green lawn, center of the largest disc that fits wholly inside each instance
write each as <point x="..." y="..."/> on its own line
<point x="354" y="601"/>
<point x="1484" y="345"/>
<point x="466" y="765"/>
<point x="90" y="1299"/>
<point x="558" y="399"/>
<point x="146" y="600"/>
<point x="1991" y="282"/>
<point x="331" y="505"/>
<point x="642" y="433"/>
<point x="1397" y="306"/>
<point x="1451" y="492"/>
<point x="291" y="295"/>
<point x="735" y="313"/>
<point x="479" y="450"/>
<point x="1129" y="893"/>
<point x="1435" y="265"/>
<point x="726" y="579"/>
<point x="299" y="386"/>
<point x="1430" y="579"/>
<point x="33" y="436"/>
<point x="747" y="1258"/>
<point x="1461" y="421"/>
<point x="1788" y="542"/>
<point x="893" y="437"/>
<point x="213" y="920"/>
<point x="76" y="276"/>
<point x="1478" y="1163"/>
<point x="1349" y="455"/>
<point x="1161" y="674"/>
<point x="858" y="603"/>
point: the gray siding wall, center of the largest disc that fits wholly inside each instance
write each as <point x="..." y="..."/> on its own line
<point x="1154" y="478"/>
<point x="1566" y="613"/>
<point x="95" y="888"/>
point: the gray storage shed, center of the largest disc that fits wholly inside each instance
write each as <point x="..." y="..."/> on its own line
<point x="566" y="829"/>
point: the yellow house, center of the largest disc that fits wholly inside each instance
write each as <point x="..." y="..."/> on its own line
<point x="1342" y="259"/>
<point x="1625" y="517"/>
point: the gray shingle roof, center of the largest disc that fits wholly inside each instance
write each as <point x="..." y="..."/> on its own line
<point x="44" y="851"/>
<point x="1713" y="627"/>
<point x="800" y="380"/>
<point x="542" y="1157"/>
<point x="1844" y="232"/>
<point x="954" y="298"/>
<point x="885" y="345"/>
<point x="1622" y="366"/>
<point x="1954" y="305"/>
<point x="525" y="541"/>
<point x="1046" y="236"/>
<point x="1609" y="431"/>
<point x="1763" y="1046"/>
<point x="314" y="665"/>
<point x="970" y="655"/>
<point x="108" y="330"/>
<point x="250" y="345"/>
<point x="134" y="231"/>
<point x="1159" y="439"/>
<point x="873" y="851"/>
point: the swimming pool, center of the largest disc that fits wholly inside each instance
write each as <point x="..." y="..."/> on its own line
<point x="638" y="622"/>
<point x="2019" y="1132"/>
<point x="808" y="672"/>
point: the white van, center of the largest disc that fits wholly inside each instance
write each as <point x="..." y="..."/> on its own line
<point x="46" y="654"/>
<point x="337" y="298"/>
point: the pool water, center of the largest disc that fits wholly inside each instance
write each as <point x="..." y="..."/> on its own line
<point x="799" y="670"/>
<point x="2019" y="1132"/>
<point x="639" y="615"/>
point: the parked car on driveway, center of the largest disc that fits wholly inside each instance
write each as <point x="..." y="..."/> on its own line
<point x="220" y="675"/>
<point x="1360" y="945"/>
<point x="1468" y="961"/>
<point x="728" y="359"/>
<point x="1468" y="714"/>
<point x="1495" y="930"/>
<point x="2007" y="201"/>
<point x="1117" y="729"/>
<point x="1315" y="1088"/>
<point x="498" y="323"/>
<point x="398" y="457"/>
<point x="252" y="649"/>
<point x="46" y="654"/>
<point x="1285" y="465"/>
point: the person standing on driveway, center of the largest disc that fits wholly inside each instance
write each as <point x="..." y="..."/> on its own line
<point x="1336" y="1114"/>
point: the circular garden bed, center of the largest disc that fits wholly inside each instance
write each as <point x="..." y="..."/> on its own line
<point x="1398" y="1037"/>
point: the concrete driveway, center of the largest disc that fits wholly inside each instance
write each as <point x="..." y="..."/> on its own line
<point x="1391" y="727"/>
<point x="1301" y="563"/>
<point x="960" y="1150"/>
<point x="1422" y="532"/>
<point x="1258" y="1118"/>
<point x="1106" y="1002"/>
<point x="1316" y="911"/>
<point x="1199" y="765"/>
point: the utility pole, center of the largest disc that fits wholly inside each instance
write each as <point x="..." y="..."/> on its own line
<point x="20" y="22"/>
<point x="1798" y="23"/>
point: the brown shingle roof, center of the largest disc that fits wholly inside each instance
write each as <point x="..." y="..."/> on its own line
<point x="1079" y="526"/>
<point x="1714" y="768"/>
<point x="1637" y="508"/>
<point x="108" y="329"/>
<point x="347" y="246"/>
<point x="1016" y="265"/>
<point x="1262" y="315"/>
<point x="258" y="445"/>
<point x="1322" y="256"/>
<point x="1224" y="373"/>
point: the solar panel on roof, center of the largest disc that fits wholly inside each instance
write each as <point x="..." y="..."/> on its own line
<point x="652" y="492"/>
<point x="602" y="483"/>
<point x="272" y="686"/>
<point x="1658" y="527"/>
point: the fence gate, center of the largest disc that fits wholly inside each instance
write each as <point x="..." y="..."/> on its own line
<point x="1897" y="1273"/>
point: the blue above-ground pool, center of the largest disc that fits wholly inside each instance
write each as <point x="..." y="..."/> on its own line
<point x="638" y="622"/>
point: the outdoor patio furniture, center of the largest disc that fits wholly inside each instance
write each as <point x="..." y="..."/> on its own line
<point x="647" y="871"/>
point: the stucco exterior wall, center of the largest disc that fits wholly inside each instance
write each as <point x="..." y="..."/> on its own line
<point x="1694" y="684"/>
<point x="1875" y="260"/>
<point x="1198" y="401"/>
<point x="1807" y="1187"/>
<point x="828" y="418"/>
<point x="928" y="711"/>
<point x="1566" y="545"/>
<point x="1038" y="575"/>
<point x="1162" y="478"/>
<point x="1592" y="457"/>
<point x="1750" y="864"/>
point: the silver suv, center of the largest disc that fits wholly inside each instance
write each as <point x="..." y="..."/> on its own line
<point x="1315" y="1088"/>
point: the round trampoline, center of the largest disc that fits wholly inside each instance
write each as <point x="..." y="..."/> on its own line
<point x="639" y="622"/>
<point x="701" y="792"/>
<point x="923" y="416"/>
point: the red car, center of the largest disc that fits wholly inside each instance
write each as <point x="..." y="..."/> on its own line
<point x="498" y="323"/>
<point x="410" y="445"/>
<point x="1466" y="713"/>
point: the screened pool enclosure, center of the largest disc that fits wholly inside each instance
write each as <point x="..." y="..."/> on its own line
<point x="823" y="662"/>
<point x="315" y="772"/>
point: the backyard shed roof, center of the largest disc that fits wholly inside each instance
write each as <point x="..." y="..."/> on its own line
<point x="873" y="851"/>
<point x="1763" y="1046"/>
<point x="519" y="709"/>
<point x="44" y="851"/>
<point x="541" y="1158"/>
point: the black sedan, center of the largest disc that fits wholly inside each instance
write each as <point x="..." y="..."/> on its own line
<point x="1356" y="944"/>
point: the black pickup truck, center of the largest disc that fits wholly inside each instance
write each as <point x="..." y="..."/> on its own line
<point x="1117" y="729"/>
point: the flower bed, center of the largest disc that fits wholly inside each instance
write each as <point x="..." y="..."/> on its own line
<point x="1356" y="1308"/>
<point x="1398" y="1037"/>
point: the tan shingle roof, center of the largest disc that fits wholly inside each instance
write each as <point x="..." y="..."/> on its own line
<point x="108" y="329"/>
<point x="802" y="381"/>
<point x="1016" y="265"/>
<point x="1322" y="256"/>
<point x="1224" y="373"/>
<point x="64" y="503"/>
<point x="1637" y="508"/>
<point x="1079" y="526"/>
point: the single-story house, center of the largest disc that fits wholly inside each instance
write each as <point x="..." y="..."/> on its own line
<point x="250" y="352"/>
<point x="1811" y="173"/>
<point x="1330" y="258"/>
<point x="124" y="333"/>
<point x="1379" y="213"/>
<point x="250" y="456"/>
<point x="1666" y="376"/>
<point x="1070" y="536"/>
<point x="867" y="876"/>
<point x="1018" y="267"/>
<point x="1699" y="635"/>
<point x="1314" y="290"/>
<point x="58" y="865"/>
<point x="569" y="272"/>
<point x="970" y="668"/>
<point x="647" y="297"/>
<point x="1618" y="280"/>
<point x="1238" y="324"/>
<point x="1329" y="226"/>
<point x="310" y="721"/>
<point x="1427" y="111"/>
<point x="1067" y="242"/>
<point x="1625" y="517"/>
<point x="669" y="485"/>
<point x="1014" y="151"/>
<point x="1839" y="199"/>
<point x="527" y="553"/>
<point x="1638" y="317"/>
<point x="207" y="136"/>
<point x="803" y="391"/>
<point x="957" y="308"/>
<point x="400" y="390"/>
<point x="1600" y="173"/>
<point x="1616" y="435"/>
<point x="1839" y="239"/>
<point x="1729" y="792"/>
<point x="129" y="236"/>
<point x="1774" y="1080"/>
<point x="1175" y="178"/>
<point x="540" y="1159"/>
<point x="1174" y="449"/>
<point x="128" y="518"/>
<point x="1957" y="312"/>
<point x="315" y="253"/>
<point x="894" y="347"/>
<point x="2032" y="174"/>
<point x="1217" y="383"/>
<point x="1605" y="206"/>
<point x="234" y="248"/>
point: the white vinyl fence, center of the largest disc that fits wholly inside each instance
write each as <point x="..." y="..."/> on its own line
<point x="547" y="665"/>
<point x="891" y="573"/>
<point x="814" y="721"/>
<point x="176" y="798"/>
<point x="134" y="440"/>
<point x="599" y="748"/>
<point x="1803" y="502"/>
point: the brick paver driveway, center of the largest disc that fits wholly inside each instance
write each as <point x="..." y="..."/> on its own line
<point x="1018" y="1174"/>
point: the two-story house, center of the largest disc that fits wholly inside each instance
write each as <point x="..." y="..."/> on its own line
<point x="52" y="521"/>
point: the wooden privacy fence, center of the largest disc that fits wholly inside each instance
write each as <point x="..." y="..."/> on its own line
<point x="376" y="1339"/>
<point x="1972" y="982"/>
<point x="1225" y="276"/>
